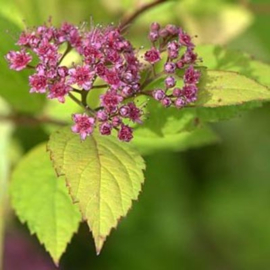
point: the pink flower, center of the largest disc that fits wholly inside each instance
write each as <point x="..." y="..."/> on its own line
<point x="134" y="113"/>
<point x="110" y="101"/>
<point x="74" y="38"/>
<point x="84" y="125"/>
<point x="125" y="133"/>
<point x="59" y="90"/>
<point x="105" y="129"/>
<point x="24" y="39"/>
<point x="189" y="57"/>
<point x="82" y="76"/>
<point x="185" y="39"/>
<point x="18" y="60"/>
<point x="38" y="83"/>
<point x="191" y="75"/>
<point x="47" y="52"/>
<point x="152" y="56"/>
<point x="45" y="48"/>
<point x="112" y="78"/>
<point x="190" y="92"/>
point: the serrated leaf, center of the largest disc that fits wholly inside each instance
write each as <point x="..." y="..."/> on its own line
<point x="42" y="201"/>
<point x="104" y="175"/>
<point x="149" y="143"/>
<point x="218" y="58"/>
<point x="224" y="88"/>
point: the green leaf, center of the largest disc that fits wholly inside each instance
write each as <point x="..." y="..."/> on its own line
<point x="222" y="94"/>
<point x="224" y="88"/>
<point x="149" y="143"/>
<point x="163" y="121"/>
<point x="42" y="201"/>
<point x="170" y="128"/>
<point x="219" y="58"/>
<point x="103" y="174"/>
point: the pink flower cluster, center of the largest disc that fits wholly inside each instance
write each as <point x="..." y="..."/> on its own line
<point x="107" y="57"/>
<point x="181" y="59"/>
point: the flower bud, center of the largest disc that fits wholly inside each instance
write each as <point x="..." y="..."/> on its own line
<point x="163" y="33"/>
<point x="116" y="121"/>
<point x="180" y="64"/>
<point x="124" y="111"/>
<point x="170" y="67"/>
<point x="127" y="91"/>
<point x="172" y="29"/>
<point x="159" y="94"/>
<point x="153" y="36"/>
<point x="166" y="102"/>
<point x="102" y="116"/>
<point x="170" y="82"/>
<point x="155" y="26"/>
<point x="177" y="92"/>
<point x="179" y="103"/>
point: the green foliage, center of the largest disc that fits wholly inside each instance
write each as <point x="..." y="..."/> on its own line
<point x="217" y="58"/>
<point x="222" y="95"/>
<point x="42" y="201"/>
<point x="103" y="174"/>
<point x="163" y="121"/>
<point x="148" y="143"/>
<point x="224" y="88"/>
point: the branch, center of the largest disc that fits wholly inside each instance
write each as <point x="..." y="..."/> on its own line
<point x="128" y="20"/>
<point x="100" y="86"/>
<point x="27" y="120"/>
<point x="68" y="49"/>
<point x="82" y="103"/>
<point x="257" y="8"/>
<point x="263" y="9"/>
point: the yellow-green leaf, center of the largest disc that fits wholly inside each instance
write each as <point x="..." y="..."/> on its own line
<point x="104" y="175"/>
<point x="225" y="88"/>
<point x="42" y="201"/>
<point x="216" y="57"/>
<point x="219" y="58"/>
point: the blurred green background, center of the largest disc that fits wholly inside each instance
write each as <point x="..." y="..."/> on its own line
<point x="206" y="208"/>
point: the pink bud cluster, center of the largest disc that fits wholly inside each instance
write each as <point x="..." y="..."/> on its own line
<point x="107" y="57"/>
<point x="179" y="65"/>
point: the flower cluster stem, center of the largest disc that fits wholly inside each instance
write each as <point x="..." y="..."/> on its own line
<point x="128" y="20"/>
<point x="68" y="49"/>
<point x="82" y="103"/>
